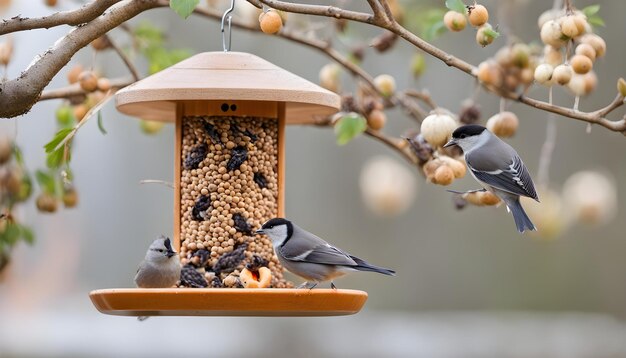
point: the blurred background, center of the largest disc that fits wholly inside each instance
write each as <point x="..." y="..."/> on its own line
<point x="468" y="284"/>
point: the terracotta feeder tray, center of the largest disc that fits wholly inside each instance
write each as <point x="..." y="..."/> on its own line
<point x="228" y="302"/>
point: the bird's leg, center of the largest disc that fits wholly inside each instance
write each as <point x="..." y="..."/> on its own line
<point x="307" y="285"/>
<point x="467" y="192"/>
<point x="332" y="285"/>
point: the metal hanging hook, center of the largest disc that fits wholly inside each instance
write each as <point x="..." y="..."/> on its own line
<point x="227" y="17"/>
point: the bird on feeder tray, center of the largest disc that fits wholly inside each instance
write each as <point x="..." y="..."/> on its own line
<point x="161" y="266"/>
<point x="310" y="257"/>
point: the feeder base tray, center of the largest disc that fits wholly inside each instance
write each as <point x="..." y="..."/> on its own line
<point x="228" y="302"/>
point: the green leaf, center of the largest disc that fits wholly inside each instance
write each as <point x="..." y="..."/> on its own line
<point x="348" y="127"/>
<point x="100" y="126"/>
<point x="591" y="10"/>
<point x="46" y="182"/>
<point x="57" y="139"/>
<point x="596" y="21"/>
<point x="456" y="5"/>
<point x="19" y="157"/>
<point x="27" y="234"/>
<point x="491" y="33"/>
<point x="183" y="8"/>
<point x="55" y="159"/>
<point x="434" y="30"/>
<point x="147" y="35"/>
<point x="11" y="233"/>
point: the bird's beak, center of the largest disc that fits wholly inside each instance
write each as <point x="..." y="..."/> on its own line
<point x="450" y="143"/>
<point x="170" y="253"/>
<point x="260" y="231"/>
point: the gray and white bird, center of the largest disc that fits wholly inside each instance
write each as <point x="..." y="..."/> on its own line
<point x="498" y="168"/>
<point x="161" y="266"/>
<point x="310" y="257"/>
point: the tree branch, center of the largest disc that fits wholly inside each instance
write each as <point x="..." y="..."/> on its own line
<point x="75" y="89"/>
<point x="596" y="117"/>
<point x="17" y="96"/>
<point x="126" y="60"/>
<point x="75" y="17"/>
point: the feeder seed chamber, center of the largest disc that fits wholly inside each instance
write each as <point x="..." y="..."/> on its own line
<point x="230" y="111"/>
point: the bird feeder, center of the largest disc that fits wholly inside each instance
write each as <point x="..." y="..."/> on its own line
<point x="230" y="110"/>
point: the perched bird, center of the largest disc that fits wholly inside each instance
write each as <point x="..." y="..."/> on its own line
<point x="161" y="266"/>
<point x="310" y="257"/>
<point x="498" y="168"/>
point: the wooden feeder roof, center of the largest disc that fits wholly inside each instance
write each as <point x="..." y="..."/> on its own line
<point x="226" y="76"/>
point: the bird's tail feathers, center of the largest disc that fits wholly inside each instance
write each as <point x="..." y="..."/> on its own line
<point x="522" y="221"/>
<point x="364" y="266"/>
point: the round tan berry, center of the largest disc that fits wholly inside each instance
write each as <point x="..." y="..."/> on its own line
<point x="586" y="50"/>
<point x="569" y="27"/>
<point x="527" y="75"/>
<point x="80" y="111"/>
<point x="581" y="64"/>
<point x="430" y="167"/>
<point x="376" y="119"/>
<point x="490" y="73"/>
<point x="562" y="74"/>
<point x="46" y="203"/>
<point x="74" y="73"/>
<point x="621" y="86"/>
<point x="70" y="197"/>
<point x="104" y="84"/>
<point x="443" y="175"/>
<point x="88" y="81"/>
<point x="478" y="15"/>
<point x="270" y="22"/>
<point x="596" y="42"/>
<point x="577" y="85"/>
<point x="101" y="43"/>
<point x="547" y="16"/>
<point x="329" y="77"/>
<point x="551" y="34"/>
<point x="581" y="23"/>
<point x="504" y="56"/>
<point x="543" y="73"/>
<point x="552" y="56"/>
<point x="483" y="36"/>
<point x="6" y="52"/>
<point x="437" y="128"/>
<point x="6" y="149"/>
<point x="503" y="124"/>
<point x="454" y="21"/>
<point x="591" y="81"/>
<point x="386" y="84"/>
<point x="488" y="198"/>
<point x="520" y="55"/>
<point x="457" y="167"/>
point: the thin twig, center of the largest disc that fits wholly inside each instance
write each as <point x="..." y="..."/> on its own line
<point x="155" y="181"/>
<point x="75" y="89"/>
<point x="393" y="144"/>
<point x="131" y="67"/>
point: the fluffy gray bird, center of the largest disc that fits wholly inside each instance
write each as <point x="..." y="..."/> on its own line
<point x="161" y="266"/>
<point x="498" y="168"/>
<point x="310" y="257"/>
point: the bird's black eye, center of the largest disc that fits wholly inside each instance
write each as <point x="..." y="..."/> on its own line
<point x="160" y="250"/>
<point x="462" y="135"/>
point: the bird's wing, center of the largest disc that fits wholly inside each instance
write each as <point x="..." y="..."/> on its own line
<point x="514" y="178"/>
<point x="310" y="248"/>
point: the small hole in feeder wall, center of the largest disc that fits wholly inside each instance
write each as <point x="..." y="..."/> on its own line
<point x="224" y="107"/>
